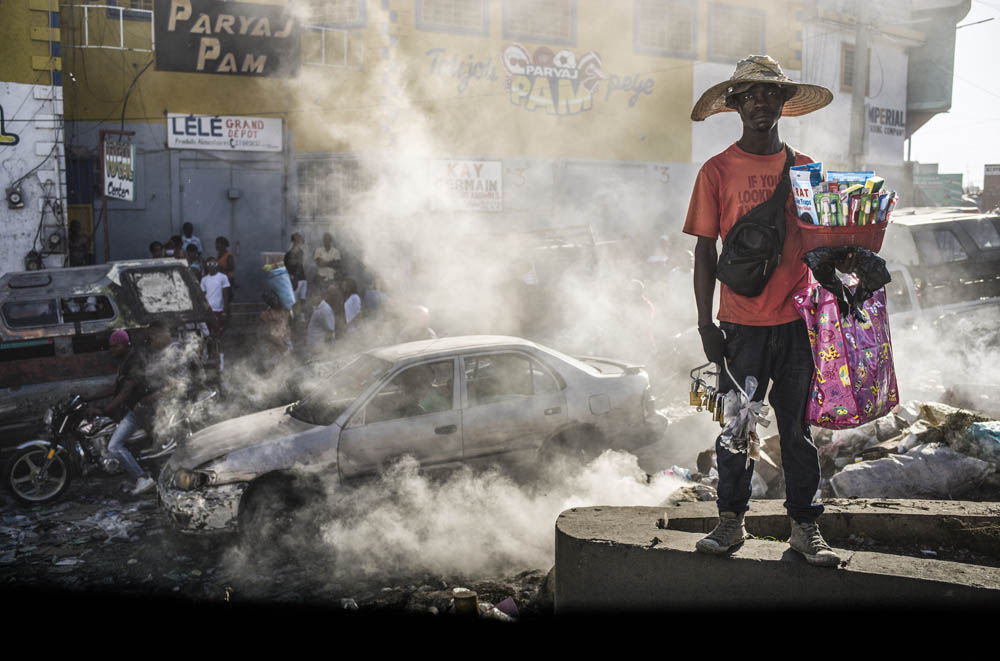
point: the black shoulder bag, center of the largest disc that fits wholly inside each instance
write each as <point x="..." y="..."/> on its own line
<point x="752" y="248"/>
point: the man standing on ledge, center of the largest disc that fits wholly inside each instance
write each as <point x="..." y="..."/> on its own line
<point x="761" y="336"/>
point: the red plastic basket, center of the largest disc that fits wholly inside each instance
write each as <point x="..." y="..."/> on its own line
<point x="862" y="236"/>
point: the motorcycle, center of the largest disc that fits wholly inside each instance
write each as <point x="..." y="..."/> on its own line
<point x="40" y="471"/>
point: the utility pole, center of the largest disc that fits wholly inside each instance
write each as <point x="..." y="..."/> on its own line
<point x="859" y="85"/>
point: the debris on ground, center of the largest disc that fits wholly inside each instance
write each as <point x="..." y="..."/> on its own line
<point x="919" y="450"/>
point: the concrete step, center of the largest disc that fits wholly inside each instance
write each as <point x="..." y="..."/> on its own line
<point x="614" y="559"/>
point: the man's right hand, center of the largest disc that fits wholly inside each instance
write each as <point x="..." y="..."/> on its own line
<point x="713" y="342"/>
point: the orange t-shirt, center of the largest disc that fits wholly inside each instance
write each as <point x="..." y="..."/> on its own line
<point x="729" y="185"/>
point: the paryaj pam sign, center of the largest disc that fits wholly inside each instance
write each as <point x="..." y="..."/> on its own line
<point x="119" y="170"/>
<point x="211" y="36"/>
<point x="223" y="132"/>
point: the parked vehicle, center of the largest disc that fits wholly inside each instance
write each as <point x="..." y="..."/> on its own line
<point x="470" y="400"/>
<point x="55" y="324"/>
<point x="39" y="471"/>
<point x="946" y="257"/>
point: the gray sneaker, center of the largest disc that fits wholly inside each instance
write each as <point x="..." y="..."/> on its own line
<point x="728" y="533"/>
<point x="807" y="540"/>
<point x="142" y="485"/>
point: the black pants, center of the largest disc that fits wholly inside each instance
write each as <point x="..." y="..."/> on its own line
<point x="782" y="356"/>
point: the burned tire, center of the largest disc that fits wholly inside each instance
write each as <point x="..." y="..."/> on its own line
<point x="30" y="481"/>
<point x="274" y="518"/>
<point x="574" y="447"/>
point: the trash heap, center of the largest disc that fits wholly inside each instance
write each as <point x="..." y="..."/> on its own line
<point x="919" y="450"/>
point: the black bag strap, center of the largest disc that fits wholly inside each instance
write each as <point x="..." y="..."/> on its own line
<point x="781" y="193"/>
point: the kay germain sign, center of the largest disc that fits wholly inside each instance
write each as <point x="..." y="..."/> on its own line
<point x="119" y="170"/>
<point x="223" y="132"/>
<point x="467" y="185"/>
<point x="235" y="38"/>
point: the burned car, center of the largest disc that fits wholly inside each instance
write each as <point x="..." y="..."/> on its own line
<point x="449" y="402"/>
<point x="55" y="325"/>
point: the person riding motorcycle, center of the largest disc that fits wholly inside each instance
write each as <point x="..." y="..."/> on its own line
<point x="130" y="403"/>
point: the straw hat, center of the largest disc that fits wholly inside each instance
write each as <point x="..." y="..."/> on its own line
<point x="761" y="69"/>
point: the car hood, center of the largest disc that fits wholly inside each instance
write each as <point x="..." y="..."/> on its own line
<point x="258" y="429"/>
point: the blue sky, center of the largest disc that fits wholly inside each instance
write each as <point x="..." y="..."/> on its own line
<point x="968" y="137"/>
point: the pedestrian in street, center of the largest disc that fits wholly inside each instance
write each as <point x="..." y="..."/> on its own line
<point x="194" y="261"/>
<point x="322" y="331"/>
<point x="295" y="264"/>
<point x="352" y="302"/>
<point x="130" y="387"/>
<point x="173" y="248"/>
<point x="327" y="259"/>
<point x="189" y="238"/>
<point x="275" y="333"/>
<point x="218" y="294"/>
<point x="227" y="263"/>
<point x="762" y="335"/>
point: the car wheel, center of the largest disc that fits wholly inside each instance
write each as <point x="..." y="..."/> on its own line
<point x="274" y="518"/>
<point x="573" y="448"/>
<point x="30" y="481"/>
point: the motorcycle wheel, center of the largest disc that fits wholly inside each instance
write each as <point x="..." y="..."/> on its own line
<point x="25" y="480"/>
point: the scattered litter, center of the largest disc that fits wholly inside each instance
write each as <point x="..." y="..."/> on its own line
<point x="928" y="471"/>
<point x="929" y="552"/>
<point x="349" y="604"/>
<point x="132" y="561"/>
<point x="111" y="522"/>
<point x="68" y="562"/>
<point x="508" y="606"/>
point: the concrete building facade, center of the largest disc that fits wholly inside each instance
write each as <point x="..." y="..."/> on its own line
<point x="519" y="114"/>
<point x="32" y="154"/>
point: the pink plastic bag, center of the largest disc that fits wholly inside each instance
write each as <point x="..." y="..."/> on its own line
<point x="854" y="381"/>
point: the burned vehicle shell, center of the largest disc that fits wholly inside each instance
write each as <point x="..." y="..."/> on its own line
<point x="55" y="324"/>
<point x="451" y="402"/>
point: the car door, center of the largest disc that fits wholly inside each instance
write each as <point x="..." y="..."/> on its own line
<point x="416" y="413"/>
<point x="512" y="403"/>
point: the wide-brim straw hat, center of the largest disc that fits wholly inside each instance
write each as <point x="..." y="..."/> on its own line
<point x="761" y="69"/>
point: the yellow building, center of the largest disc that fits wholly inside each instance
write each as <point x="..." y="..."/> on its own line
<point x="491" y="114"/>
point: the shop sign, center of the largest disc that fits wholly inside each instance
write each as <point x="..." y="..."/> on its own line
<point x="214" y="36"/>
<point x="886" y="121"/>
<point x="467" y="185"/>
<point x="119" y="170"/>
<point x="992" y="170"/>
<point x="223" y="132"/>
<point x="557" y="82"/>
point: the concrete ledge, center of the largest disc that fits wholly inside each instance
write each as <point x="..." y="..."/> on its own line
<point x="617" y="559"/>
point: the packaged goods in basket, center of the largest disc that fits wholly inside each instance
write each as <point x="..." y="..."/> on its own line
<point x="845" y="208"/>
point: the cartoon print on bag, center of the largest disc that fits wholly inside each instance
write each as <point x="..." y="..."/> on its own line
<point x="875" y="390"/>
<point x="850" y="338"/>
<point x="892" y="395"/>
<point x="845" y="375"/>
<point x="829" y="354"/>
<point x="861" y="372"/>
<point x="826" y="335"/>
<point x="869" y="408"/>
<point x="824" y="318"/>
<point x="812" y="337"/>
<point x="840" y="410"/>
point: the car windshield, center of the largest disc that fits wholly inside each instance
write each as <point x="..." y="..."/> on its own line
<point x="339" y="390"/>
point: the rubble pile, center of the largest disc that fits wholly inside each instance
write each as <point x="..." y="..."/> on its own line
<point x="919" y="450"/>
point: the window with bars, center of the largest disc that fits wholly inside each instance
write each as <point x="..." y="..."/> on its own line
<point x="549" y="21"/>
<point x="336" y="13"/>
<point x="146" y="5"/>
<point x="665" y="27"/>
<point x="734" y="33"/>
<point x="461" y="16"/>
<point x="326" y="187"/>
<point x="847" y="69"/>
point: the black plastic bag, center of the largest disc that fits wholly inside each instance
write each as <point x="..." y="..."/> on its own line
<point x="869" y="268"/>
